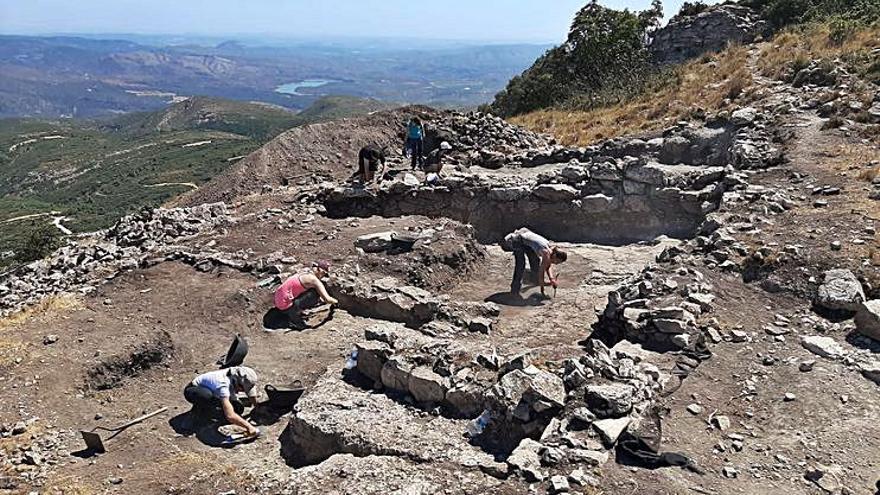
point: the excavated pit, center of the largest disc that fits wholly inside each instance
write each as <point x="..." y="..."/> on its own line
<point x="112" y="372"/>
<point x="577" y="202"/>
<point x="581" y="404"/>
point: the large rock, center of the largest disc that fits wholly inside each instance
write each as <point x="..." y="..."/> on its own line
<point x="376" y="243"/>
<point x="555" y="192"/>
<point x="610" y="401"/>
<point x="709" y="29"/>
<point x="840" y="291"/>
<point x="611" y="429"/>
<point x="539" y="389"/>
<point x="334" y="417"/>
<point x="823" y="346"/>
<point x="526" y="460"/>
<point x="868" y="319"/>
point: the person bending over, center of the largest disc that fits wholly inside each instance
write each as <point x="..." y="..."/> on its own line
<point x="369" y="160"/>
<point x="542" y="255"/>
<point x="303" y="291"/>
<point x="215" y="392"/>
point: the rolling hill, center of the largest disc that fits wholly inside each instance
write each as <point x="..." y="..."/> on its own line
<point x="93" y="172"/>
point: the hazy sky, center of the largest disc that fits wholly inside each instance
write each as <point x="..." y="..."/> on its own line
<point x="501" y="20"/>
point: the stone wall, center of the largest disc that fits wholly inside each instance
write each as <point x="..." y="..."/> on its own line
<point x="709" y="31"/>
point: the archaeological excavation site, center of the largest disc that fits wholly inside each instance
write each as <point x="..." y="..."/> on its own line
<point x="714" y="329"/>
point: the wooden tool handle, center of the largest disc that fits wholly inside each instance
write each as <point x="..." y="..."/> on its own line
<point x="142" y="418"/>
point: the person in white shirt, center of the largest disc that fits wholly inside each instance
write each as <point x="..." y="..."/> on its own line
<point x="215" y="391"/>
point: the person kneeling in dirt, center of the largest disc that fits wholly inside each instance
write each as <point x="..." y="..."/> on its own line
<point x="369" y="159"/>
<point x="301" y="292"/>
<point x="524" y="243"/>
<point x="215" y="392"/>
<point x="434" y="160"/>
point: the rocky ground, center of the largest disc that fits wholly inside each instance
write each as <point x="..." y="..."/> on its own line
<point x="720" y="295"/>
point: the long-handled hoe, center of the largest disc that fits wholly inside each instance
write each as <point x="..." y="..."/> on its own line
<point x="93" y="439"/>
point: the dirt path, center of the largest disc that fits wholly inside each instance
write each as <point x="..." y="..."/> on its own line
<point x="166" y="184"/>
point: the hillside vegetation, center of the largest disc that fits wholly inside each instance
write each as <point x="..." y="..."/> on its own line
<point x="605" y="56"/>
<point x="94" y="172"/>
<point x="816" y="31"/>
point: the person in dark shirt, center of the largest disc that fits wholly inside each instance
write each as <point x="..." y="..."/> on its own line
<point x="369" y="159"/>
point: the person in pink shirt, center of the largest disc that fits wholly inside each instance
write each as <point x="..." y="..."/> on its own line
<point x="303" y="291"/>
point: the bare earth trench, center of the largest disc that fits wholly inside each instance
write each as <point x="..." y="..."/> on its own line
<point x="188" y="313"/>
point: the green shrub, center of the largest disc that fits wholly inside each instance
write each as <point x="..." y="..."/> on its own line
<point x="781" y="13"/>
<point x="604" y="57"/>
<point x="38" y="243"/>
<point x="692" y="8"/>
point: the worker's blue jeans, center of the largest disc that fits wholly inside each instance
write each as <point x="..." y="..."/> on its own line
<point x="520" y="253"/>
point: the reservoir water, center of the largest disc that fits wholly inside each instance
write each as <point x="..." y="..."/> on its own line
<point x="293" y="88"/>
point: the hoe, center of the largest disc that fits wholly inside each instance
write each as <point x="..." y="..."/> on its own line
<point x="93" y="439"/>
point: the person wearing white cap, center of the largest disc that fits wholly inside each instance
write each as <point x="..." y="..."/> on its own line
<point x="434" y="161"/>
<point x="215" y="390"/>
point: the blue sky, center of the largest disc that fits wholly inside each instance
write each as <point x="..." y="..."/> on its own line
<point x="497" y="20"/>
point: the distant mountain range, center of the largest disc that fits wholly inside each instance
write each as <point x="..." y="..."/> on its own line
<point x="86" y="77"/>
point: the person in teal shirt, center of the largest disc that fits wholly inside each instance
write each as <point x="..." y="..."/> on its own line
<point x="415" y="142"/>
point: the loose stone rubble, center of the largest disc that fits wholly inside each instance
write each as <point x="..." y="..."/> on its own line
<point x="85" y="263"/>
<point x="596" y="194"/>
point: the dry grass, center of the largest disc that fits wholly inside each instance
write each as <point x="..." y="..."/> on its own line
<point x="49" y="305"/>
<point x="709" y="84"/>
<point x="868" y="175"/>
<point x="69" y="485"/>
<point x="795" y="48"/>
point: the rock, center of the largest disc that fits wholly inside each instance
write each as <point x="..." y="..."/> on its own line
<point x="538" y="389"/>
<point x="721" y="422"/>
<point x="806" y="366"/>
<point x="551" y="456"/>
<point x="738" y="336"/>
<point x="670" y="326"/>
<point x="836" y="246"/>
<point x="871" y="371"/>
<point x="840" y="290"/>
<point x="518" y="362"/>
<point x="789" y="397"/>
<point x="19" y="428"/>
<point x="334" y="417"/>
<point x="709" y="30"/>
<point x="526" y="460"/>
<point x="611" y="429"/>
<point x="610" y="401"/>
<point x="579" y="477"/>
<point x="559" y="484"/>
<point x="868" y="319"/>
<point x="703" y="299"/>
<point x="590" y="457"/>
<point x="682" y="341"/>
<point x="375" y="243"/>
<point x="50" y="339"/>
<point x="481" y="325"/>
<point x="555" y="192"/>
<point x="410" y="180"/>
<point x="744" y="116"/>
<point x="823" y="346"/>
<point x="825" y="477"/>
<point x="695" y="409"/>
<point x="427" y="386"/>
<point x="729" y="472"/>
